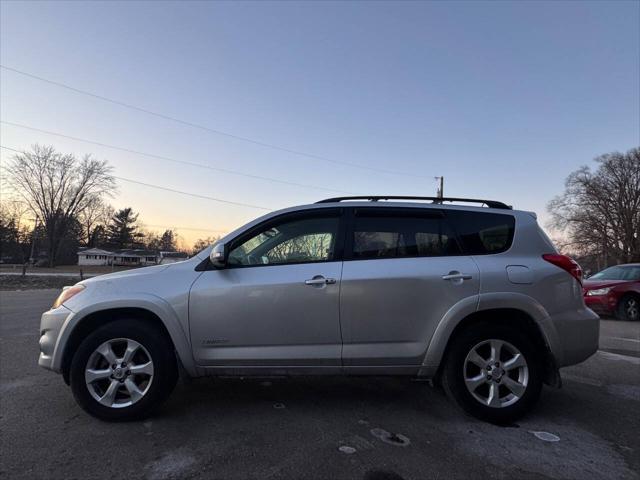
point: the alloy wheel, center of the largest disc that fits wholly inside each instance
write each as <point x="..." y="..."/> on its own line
<point x="632" y="309"/>
<point x="496" y="373"/>
<point x="119" y="373"/>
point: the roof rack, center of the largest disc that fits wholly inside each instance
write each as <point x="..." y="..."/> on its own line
<point x="375" y="198"/>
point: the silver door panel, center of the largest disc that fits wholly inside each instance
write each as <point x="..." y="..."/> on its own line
<point x="267" y="315"/>
<point x="389" y="308"/>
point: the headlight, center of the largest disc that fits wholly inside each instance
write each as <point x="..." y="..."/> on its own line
<point x="598" y="291"/>
<point x="67" y="293"/>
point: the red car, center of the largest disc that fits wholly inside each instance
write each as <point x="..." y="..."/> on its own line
<point x="615" y="291"/>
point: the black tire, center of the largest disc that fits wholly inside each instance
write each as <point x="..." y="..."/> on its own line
<point x="629" y="308"/>
<point x="159" y="348"/>
<point x="453" y="373"/>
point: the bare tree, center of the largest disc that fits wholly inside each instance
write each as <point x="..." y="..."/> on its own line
<point x="17" y="211"/>
<point x="599" y="211"/>
<point x="15" y="235"/>
<point x="202" y="243"/>
<point x="57" y="188"/>
<point x="97" y="214"/>
<point x="167" y="242"/>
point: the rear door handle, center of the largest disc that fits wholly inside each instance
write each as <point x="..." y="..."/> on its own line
<point x="456" y="276"/>
<point x="320" y="280"/>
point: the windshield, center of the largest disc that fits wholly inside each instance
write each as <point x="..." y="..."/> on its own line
<point x="618" y="273"/>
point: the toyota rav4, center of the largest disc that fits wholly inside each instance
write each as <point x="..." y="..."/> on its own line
<point x="475" y="298"/>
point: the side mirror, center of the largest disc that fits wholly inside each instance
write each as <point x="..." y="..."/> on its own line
<point x="218" y="256"/>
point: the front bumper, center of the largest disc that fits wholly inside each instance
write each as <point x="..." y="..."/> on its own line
<point x="601" y="304"/>
<point x="50" y="325"/>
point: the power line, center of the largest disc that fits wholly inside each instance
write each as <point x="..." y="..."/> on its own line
<point x="12" y="149"/>
<point x="193" y="229"/>
<point x="171" y="227"/>
<point x="196" y="195"/>
<point x="169" y="159"/>
<point x="209" y="129"/>
<point x="167" y="189"/>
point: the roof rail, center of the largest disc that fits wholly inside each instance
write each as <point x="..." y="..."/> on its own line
<point x="375" y="198"/>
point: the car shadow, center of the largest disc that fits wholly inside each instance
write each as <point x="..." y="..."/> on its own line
<point x="304" y="394"/>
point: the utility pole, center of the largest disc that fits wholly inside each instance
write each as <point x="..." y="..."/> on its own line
<point x="33" y="241"/>
<point x="440" y="193"/>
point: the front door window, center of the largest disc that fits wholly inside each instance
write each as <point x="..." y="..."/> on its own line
<point x="295" y="241"/>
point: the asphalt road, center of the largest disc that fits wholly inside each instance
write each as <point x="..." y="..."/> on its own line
<point x="293" y="428"/>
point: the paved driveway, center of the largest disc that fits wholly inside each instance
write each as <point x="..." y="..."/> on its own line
<point x="244" y="429"/>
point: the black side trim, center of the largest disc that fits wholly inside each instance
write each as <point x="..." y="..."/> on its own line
<point x="203" y="265"/>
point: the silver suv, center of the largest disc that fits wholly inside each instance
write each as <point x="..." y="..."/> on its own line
<point x="474" y="297"/>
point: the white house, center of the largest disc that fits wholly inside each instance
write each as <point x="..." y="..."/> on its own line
<point x="133" y="258"/>
<point x="94" y="256"/>
<point x="172" y="257"/>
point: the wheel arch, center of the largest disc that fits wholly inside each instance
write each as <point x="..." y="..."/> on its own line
<point x="83" y="323"/>
<point x="537" y="329"/>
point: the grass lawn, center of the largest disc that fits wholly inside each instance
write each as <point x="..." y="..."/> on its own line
<point x="32" y="282"/>
<point x="14" y="268"/>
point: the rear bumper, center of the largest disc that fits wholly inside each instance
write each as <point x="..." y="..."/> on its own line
<point x="50" y="325"/>
<point x="579" y="335"/>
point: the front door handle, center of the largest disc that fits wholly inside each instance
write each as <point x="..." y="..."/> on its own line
<point x="320" y="280"/>
<point x="456" y="276"/>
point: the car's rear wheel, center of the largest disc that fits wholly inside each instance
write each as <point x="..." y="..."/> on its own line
<point x="629" y="308"/>
<point x="123" y="370"/>
<point x="493" y="372"/>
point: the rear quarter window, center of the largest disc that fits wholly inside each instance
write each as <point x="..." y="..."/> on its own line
<point x="482" y="233"/>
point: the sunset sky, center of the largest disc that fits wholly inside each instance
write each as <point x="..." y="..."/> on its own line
<point x="504" y="99"/>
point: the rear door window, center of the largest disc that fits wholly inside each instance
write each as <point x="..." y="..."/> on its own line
<point x="396" y="233"/>
<point x="482" y="233"/>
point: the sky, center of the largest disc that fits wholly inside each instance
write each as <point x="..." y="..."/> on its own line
<point x="503" y="99"/>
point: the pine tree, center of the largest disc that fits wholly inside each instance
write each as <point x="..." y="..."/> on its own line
<point x="122" y="231"/>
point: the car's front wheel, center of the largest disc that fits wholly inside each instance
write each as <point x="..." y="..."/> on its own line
<point x="493" y="372"/>
<point x="629" y="308"/>
<point x="123" y="370"/>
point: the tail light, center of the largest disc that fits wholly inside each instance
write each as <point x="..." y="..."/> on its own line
<point x="566" y="263"/>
